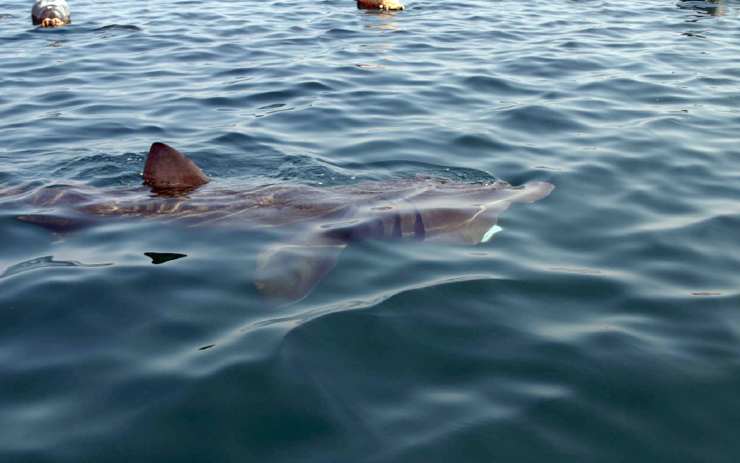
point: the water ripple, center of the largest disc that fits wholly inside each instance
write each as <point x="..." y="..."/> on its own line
<point x="601" y="322"/>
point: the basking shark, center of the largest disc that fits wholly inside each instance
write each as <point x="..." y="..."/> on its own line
<point x="322" y="221"/>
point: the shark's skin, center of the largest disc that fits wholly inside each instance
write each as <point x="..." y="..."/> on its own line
<point x="325" y="220"/>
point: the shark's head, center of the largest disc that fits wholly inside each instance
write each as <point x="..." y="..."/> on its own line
<point x="50" y="13"/>
<point x="167" y="169"/>
<point x="469" y="213"/>
<point x="484" y="195"/>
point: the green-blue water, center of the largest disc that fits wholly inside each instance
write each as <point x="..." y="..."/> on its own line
<point x="602" y="324"/>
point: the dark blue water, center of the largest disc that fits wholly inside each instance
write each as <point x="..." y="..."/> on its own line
<point x="602" y="324"/>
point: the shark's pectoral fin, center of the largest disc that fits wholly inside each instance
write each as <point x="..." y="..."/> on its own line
<point x="56" y="223"/>
<point x="288" y="272"/>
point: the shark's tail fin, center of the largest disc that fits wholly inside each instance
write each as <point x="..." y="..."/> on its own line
<point x="166" y="168"/>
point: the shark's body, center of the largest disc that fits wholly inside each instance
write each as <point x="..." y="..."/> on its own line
<point x="322" y="220"/>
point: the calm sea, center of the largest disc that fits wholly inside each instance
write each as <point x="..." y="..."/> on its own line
<point x="602" y="324"/>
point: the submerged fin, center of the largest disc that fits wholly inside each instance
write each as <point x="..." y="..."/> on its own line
<point x="166" y="168"/>
<point x="288" y="272"/>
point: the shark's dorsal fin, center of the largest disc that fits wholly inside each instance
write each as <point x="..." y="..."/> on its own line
<point x="166" y="168"/>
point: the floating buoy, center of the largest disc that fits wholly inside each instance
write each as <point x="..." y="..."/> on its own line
<point x="50" y="13"/>
<point x="387" y="5"/>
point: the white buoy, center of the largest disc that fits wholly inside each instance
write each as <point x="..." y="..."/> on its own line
<point x="50" y="13"/>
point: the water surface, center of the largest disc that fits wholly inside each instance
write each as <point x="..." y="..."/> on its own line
<point x="602" y="324"/>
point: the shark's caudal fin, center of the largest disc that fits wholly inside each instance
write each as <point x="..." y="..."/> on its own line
<point x="166" y="168"/>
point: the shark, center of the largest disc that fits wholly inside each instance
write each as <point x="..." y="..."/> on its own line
<point x="320" y="221"/>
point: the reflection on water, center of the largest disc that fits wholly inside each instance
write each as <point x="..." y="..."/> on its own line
<point x="604" y="322"/>
<point x="705" y="7"/>
<point x="369" y="66"/>
<point x="44" y="262"/>
<point x="387" y="20"/>
<point x="118" y="27"/>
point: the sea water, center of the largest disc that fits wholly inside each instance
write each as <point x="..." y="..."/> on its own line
<point x="601" y="324"/>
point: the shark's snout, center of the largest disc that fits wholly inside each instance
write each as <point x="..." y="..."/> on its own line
<point x="527" y="193"/>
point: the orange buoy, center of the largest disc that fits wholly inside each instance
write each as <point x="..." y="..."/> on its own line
<point x="380" y="5"/>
